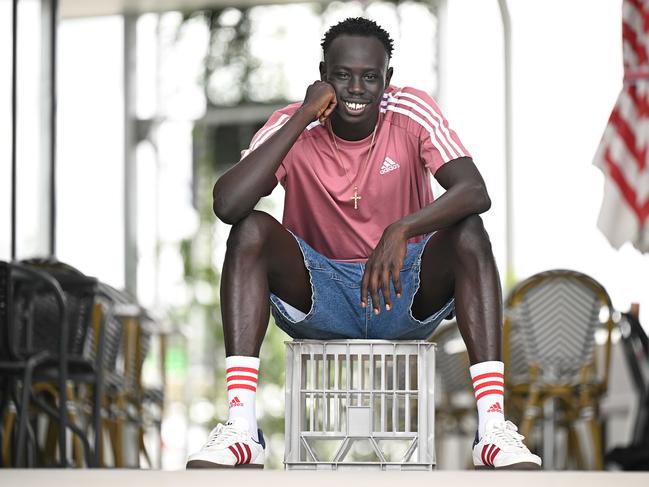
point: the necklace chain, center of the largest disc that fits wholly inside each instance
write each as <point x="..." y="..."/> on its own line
<point x="356" y="196"/>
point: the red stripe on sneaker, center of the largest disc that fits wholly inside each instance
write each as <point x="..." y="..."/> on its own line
<point x="490" y="374"/>
<point x="235" y="453"/>
<point x="245" y="386"/>
<point x="242" y="377"/>
<point x="486" y="393"/>
<point x="488" y="455"/>
<point x="492" y="457"/>
<point x="249" y="452"/>
<point x="482" y="454"/>
<point x="242" y="369"/>
<point x="487" y="384"/>
<point x="242" y="455"/>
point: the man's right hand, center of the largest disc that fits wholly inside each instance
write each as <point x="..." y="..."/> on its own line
<point x="320" y="100"/>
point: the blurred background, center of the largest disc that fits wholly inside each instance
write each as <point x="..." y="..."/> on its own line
<point x="155" y="99"/>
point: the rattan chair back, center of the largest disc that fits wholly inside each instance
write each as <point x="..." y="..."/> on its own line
<point x="551" y="322"/>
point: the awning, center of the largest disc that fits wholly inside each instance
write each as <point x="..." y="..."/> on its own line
<point x="623" y="153"/>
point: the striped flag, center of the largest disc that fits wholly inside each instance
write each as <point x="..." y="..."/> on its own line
<point x="623" y="153"/>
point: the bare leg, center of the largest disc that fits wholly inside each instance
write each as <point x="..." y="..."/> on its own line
<point x="458" y="261"/>
<point x="262" y="256"/>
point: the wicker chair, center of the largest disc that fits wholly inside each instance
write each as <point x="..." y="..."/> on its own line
<point x="129" y="403"/>
<point x="635" y="343"/>
<point x="551" y="321"/>
<point x="45" y="320"/>
<point x="455" y="412"/>
<point x="452" y="365"/>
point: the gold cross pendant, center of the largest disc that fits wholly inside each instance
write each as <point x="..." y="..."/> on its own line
<point x="356" y="197"/>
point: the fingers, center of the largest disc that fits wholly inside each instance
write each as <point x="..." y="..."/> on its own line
<point x="329" y="110"/>
<point x="376" y="282"/>
<point x="369" y="286"/>
<point x="374" y="292"/>
<point x="364" y="285"/>
<point x="385" y="289"/>
<point x="396" y="280"/>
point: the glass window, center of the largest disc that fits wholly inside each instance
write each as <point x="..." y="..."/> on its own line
<point x="90" y="169"/>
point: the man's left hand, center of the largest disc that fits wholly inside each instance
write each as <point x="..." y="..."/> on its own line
<point x="384" y="265"/>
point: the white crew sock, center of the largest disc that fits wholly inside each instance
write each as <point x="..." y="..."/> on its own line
<point x="241" y="378"/>
<point x="489" y="389"/>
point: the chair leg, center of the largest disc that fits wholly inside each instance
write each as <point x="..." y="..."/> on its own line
<point x="530" y="414"/>
<point x="114" y="440"/>
<point x="143" y="449"/>
<point x="98" y="394"/>
<point x="574" y="450"/>
<point x="63" y="420"/>
<point x="8" y="425"/>
<point x="23" y="416"/>
<point x="120" y="426"/>
<point x="51" y="442"/>
<point x="596" y="434"/>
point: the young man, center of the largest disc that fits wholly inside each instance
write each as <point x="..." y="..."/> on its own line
<point x="363" y="250"/>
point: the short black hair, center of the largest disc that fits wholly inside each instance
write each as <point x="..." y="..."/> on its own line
<point x="357" y="26"/>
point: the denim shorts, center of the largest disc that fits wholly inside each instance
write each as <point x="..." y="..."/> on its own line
<point x="336" y="312"/>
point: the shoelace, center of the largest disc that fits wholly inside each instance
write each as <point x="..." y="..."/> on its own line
<point x="220" y="434"/>
<point x="506" y="432"/>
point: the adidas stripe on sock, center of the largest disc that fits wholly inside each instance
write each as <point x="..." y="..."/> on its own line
<point x="241" y="379"/>
<point x="489" y="389"/>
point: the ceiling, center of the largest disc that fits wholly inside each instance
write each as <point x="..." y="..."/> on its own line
<point x="93" y="8"/>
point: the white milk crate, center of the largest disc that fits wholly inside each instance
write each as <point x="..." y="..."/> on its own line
<point x="360" y="404"/>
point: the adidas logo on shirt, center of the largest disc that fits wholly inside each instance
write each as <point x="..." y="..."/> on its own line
<point x="389" y="165"/>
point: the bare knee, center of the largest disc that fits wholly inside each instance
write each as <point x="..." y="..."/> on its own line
<point x="251" y="232"/>
<point x="471" y="237"/>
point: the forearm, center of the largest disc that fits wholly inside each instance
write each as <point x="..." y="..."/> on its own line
<point x="237" y="192"/>
<point x="457" y="203"/>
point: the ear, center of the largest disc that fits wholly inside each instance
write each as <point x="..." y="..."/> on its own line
<point x="323" y="71"/>
<point x="388" y="77"/>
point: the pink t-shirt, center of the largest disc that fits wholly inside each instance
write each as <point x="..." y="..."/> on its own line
<point x="413" y="139"/>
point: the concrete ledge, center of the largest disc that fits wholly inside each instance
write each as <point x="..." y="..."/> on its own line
<point x="272" y="478"/>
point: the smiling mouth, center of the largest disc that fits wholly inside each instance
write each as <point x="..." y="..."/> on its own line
<point x="355" y="108"/>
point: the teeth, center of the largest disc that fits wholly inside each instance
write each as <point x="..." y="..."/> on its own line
<point x="355" y="106"/>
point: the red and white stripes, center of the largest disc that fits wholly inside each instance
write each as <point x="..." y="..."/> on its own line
<point x="242" y="378"/>
<point x="430" y="118"/>
<point x="241" y="452"/>
<point x="491" y="383"/>
<point x="489" y="389"/>
<point x="241" y="375"/>
<point x="623" y="154"/>
<point x="488" y="454"/>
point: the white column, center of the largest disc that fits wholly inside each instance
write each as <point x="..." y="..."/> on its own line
<point x="130" y="145"/>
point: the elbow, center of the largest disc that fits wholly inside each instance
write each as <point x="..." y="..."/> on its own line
<point x="225" y="214"/>
<point x="482" y="199"/>
<point x="223" y="211"/>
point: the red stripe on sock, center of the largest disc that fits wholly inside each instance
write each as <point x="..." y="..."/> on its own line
<point x="242" y="377"/>
<point x="490" y="374"/>
<point x="486" y="393"/>
<point x="486" y="384"/>
<point x="245" y="386"/>
<point x="249" y="452"/>
<point x="242" y="369"/>
<point x="235" y="453"/>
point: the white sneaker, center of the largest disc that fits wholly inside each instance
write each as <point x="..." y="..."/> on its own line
<point x="502" y="447"/>
<point x="230" y="445"/>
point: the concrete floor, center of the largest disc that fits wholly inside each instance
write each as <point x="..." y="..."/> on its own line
<point x="147" y="478"/>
